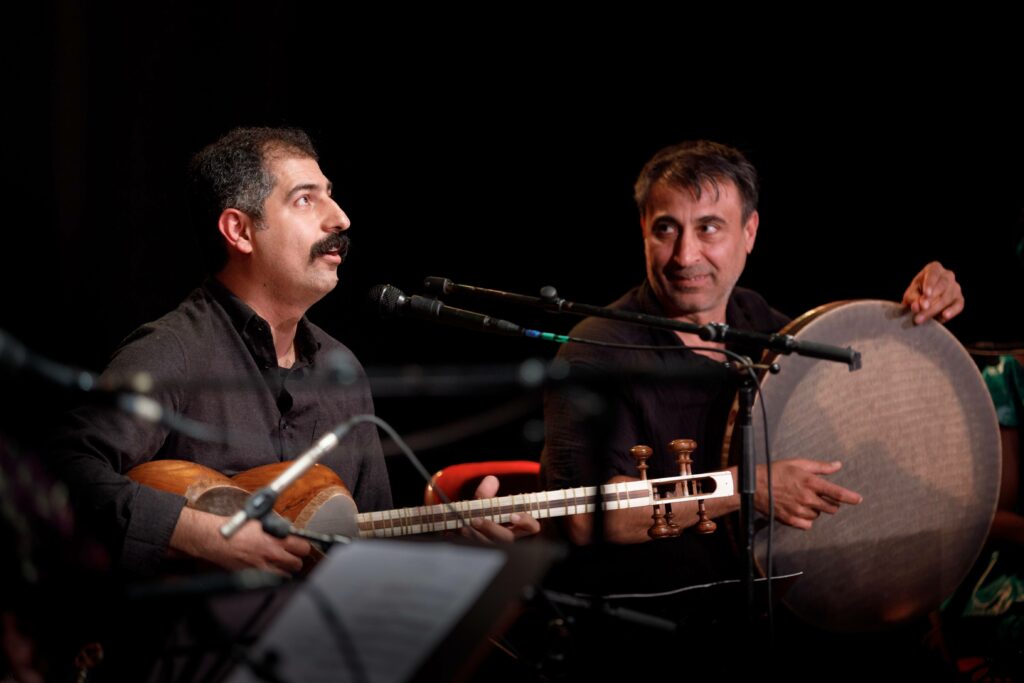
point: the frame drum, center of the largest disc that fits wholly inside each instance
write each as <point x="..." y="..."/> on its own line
<point x="917" y="435"/>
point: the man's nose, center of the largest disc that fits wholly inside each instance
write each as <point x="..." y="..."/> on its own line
<point x="687" y="249"/>
<point x="337" y="220"/>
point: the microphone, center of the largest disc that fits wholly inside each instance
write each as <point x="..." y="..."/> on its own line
<point x="393" y="302"/>
<point x="714" y="332"/>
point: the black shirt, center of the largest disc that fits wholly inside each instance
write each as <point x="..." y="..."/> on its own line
<point x="578" y="453"/>
<point x="213" y="335"/>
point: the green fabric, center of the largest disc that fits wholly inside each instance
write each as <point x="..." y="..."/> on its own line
<point x="1005" y="382"/>
<point x="996" y="591"/>
<point x="993" y="614"/>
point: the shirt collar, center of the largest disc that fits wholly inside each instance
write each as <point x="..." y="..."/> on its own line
<point x="255" y="331"/>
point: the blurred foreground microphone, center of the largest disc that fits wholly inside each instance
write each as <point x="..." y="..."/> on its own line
<point x="392" y="302"/>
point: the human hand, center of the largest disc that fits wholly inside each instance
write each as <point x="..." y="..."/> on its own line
<point x="253" y="547"/>
<point x="197" y="534"/>
<point x="801" y="493"/>
<point x="480" y="529"/>
<point x="934" y="293"/>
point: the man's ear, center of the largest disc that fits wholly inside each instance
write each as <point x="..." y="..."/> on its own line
<point x="750" y="230"/>
<point x="236" y="227"/>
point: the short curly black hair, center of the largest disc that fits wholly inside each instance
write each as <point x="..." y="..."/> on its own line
<point x="232" y="173"/>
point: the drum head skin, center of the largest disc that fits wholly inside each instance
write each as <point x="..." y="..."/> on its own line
<point x="917" y="435"/>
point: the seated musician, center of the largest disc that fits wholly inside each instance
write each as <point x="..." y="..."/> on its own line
<point x="275" y="237"/>
<point x="698" y="212"/>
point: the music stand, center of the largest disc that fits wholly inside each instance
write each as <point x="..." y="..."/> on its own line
<point x="389" y="611"/>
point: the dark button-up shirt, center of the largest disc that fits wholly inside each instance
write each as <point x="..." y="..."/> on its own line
<point x="211" y="337"/>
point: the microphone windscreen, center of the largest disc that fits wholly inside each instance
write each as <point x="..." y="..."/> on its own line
<point x="384" y="299"/>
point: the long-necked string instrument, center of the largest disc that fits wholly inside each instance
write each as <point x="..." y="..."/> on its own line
<point x="321" y="502"/>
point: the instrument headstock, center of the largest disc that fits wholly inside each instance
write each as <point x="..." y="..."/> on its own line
<point x="664" y="491"/>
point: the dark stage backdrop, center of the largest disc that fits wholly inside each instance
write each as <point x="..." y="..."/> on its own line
<point x="504" y="158"/>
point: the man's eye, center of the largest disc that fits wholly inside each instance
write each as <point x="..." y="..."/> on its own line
<point x="304" y="200"/>
<point x="709" y="228"/>
<point x="663" y="229"/>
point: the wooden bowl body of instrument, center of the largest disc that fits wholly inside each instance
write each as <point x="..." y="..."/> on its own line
<point x="318" y="501"/>
<point x="203" y="488"/>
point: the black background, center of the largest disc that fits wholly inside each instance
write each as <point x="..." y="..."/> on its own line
<point x="500" y="151"/>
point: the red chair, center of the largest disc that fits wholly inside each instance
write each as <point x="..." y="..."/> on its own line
<point x="459" y="482"/>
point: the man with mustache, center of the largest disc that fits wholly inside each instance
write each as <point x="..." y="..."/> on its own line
<point x="275" y="238"/>
<point x="698" y="214"/>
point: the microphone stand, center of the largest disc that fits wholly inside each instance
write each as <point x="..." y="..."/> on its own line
<point x="747" y="486"/>
<point x="712" y="332"/>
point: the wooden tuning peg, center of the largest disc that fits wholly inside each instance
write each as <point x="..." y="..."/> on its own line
<point x="684" y="448"/>
<point x="660" y="527"/>
<point x="641" y="454"/>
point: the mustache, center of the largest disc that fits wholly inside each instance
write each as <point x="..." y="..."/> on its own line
<point x="336" y="241"/>
<point x="688" y="271"/>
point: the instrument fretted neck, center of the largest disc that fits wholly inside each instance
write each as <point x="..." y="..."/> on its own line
<point x="541" y="505"/>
